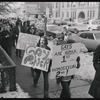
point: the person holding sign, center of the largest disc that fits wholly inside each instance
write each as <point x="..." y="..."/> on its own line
<point x="17" y="29"/>
<point x="43" y="42"/>
<point x="31" y="30"/>
<point x="66" y="80"/>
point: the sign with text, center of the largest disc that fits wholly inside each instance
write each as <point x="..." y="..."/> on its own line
<point x="39" y="24"/>
<point x="36" y="57"/>
<point x="25" y="39"/>
<point x="64" y="60"/>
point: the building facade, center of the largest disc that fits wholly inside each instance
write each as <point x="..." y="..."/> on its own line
<point x="76" y="10"/>
<point x="37" y="8"/>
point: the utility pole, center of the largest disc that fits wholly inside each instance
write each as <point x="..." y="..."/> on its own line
<point x="45" y="21"/>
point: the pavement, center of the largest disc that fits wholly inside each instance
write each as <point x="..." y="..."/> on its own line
<point x="79" y="88"/>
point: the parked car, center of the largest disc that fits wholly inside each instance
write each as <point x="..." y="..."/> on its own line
<point x="89" y="38"/>
<point x="93" y="25"/>
<point x="60" y="22"/>
<point x="53" y="30"/>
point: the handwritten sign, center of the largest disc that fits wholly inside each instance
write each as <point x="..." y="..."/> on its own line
<point x="39" y="24"/>
<point x="36" y="57"/>
<point x="26" y="39"/>
<point x="64" y="60"/>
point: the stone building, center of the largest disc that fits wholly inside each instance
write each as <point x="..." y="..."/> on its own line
<point x="76" y="10"/>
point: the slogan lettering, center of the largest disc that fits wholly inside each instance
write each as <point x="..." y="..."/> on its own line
<point x="36" y="57"/>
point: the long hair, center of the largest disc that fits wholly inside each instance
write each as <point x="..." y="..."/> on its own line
<point x="17" y="22"/>
<point x="45" y="39"/>
<point x="30" y="28"/>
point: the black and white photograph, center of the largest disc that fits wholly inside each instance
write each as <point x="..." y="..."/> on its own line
<point x="49" y="49"/>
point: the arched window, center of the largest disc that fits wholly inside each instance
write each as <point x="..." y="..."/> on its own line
<point x="93" y="13"/>
<point x="88" y="14"/>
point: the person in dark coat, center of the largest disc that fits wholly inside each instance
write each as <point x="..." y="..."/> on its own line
<point x="6" y="39"/>
<point x="17" y="29"/>
<point x="94" y="90"/>
<point x="25" y="27"/>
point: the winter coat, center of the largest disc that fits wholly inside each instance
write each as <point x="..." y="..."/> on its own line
<point x="16" y="32"/>
<point x="95" y="86"/>
<point x="6" y="41"/>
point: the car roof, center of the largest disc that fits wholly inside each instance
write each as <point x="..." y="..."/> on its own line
<point x="90" y="32"/>
<point x="57" y="32"/>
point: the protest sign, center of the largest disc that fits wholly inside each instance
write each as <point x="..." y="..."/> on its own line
<point x="64" y="59"/>
<point x="40" y="25"/>
<point x="26" y="39"/>
<point x="36" y="57"/>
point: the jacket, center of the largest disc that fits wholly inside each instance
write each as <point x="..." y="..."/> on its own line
<point x="16" y="31"/>
<point x="95" y="86"/>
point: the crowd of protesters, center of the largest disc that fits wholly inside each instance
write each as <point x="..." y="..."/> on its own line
<point x="9" y="33"/>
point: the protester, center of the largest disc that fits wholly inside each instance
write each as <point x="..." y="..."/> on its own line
<point x="66" y="80"/>
<point x="25" y="27"/>
<point x="94" y="90"/>
<point x="43" y="42"/>
<point x="6" y="39"/>
<point x="31" y="30"/>
<point x="65" y="32"/>
<point x="16" y="31"/>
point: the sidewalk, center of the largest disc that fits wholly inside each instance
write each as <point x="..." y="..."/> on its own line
<point x="78" y="88"/>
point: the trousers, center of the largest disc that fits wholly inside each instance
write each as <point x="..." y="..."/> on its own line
<point x="65" y="93"/>
<point x="46" y="81"/>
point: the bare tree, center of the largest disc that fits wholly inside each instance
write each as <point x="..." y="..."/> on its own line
<point x="5" y="7"/>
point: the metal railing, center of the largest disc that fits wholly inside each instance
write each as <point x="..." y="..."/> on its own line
<point x="7" y="72"/>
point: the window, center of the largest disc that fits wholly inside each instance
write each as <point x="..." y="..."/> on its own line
<point x="97" y="36"/>
<point x="93" y="13"/>
<point x="56" y="5"/>
<point x="71" y="14"/>
<point x="67" y="4"/>
<point x="57" y="14"/>
<point x="82" y="35"/>
<point x="89" y="36"/>
<point x="62" y="14"/>
<point x="88" y="14"/>
<point x="68" y="14"/>
<point x="62" y="4"/>
<point x="75" y="14"/>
